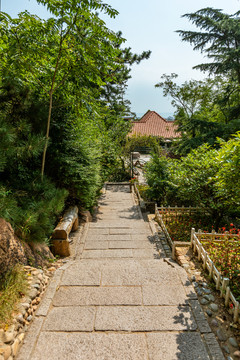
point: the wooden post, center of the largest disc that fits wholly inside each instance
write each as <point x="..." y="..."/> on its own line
<point x="205" y="260"/>
<point x="211" y="269"/>
<point x="173" y="251"/>
<point x="224" y="286"/>
<point x="236" y="312"/>
<point x="218" y="280"/>
<point x="227" y="296"/>
<point x="192" y="234"/>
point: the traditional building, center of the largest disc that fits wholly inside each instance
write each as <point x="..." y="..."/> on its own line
<point x="152" y="124"/>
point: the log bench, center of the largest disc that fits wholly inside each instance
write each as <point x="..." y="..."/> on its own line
<point x="60" y="236"/>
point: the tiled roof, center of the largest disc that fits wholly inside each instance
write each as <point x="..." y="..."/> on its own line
<point x="153" y="124"/>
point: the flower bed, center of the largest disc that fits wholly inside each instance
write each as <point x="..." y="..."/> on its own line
<point x="225" y="275"/>
<point x="220" y="252"/>
<point x="225" y="253"/>
<point x="180" y="220"/>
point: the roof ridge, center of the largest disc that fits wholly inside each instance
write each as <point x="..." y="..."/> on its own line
<point x="145" y="115"/>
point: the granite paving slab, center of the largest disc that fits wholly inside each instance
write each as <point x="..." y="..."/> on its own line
<point x="82" y="274"/>
<point x="164" y="294"/>
<point x="112" y="253"/>
<point x="78" y="296"/>
<point x="131" y="244"/>
<point x="176" y="346"/>
<point x="96" y="245"/>
<point x="90" y="346"/>
<point x="144" y="318"/>
<point x="72" y="318"/>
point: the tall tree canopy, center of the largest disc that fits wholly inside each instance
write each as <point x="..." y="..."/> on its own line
<point x="53" y="79"/>
<point x="219" y="39"/>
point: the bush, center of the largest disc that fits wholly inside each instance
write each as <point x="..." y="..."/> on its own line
<point x="158" y="178"/>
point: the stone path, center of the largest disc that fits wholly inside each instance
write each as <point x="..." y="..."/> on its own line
<point x="120" y="298"/>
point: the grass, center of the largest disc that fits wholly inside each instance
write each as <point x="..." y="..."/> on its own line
<point x="13" y="287"/>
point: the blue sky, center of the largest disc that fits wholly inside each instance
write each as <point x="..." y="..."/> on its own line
<point x="149" y="25"/>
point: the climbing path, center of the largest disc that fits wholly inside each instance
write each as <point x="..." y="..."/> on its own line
<point x="120" y="298"/>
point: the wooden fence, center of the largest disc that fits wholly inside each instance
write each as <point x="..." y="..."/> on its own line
<point x="222" y="283"/>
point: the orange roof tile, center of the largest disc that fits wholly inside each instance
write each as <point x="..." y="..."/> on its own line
<point x="153" y="124"/>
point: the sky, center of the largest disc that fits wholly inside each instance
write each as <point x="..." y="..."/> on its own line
<point x="149" y="25"/>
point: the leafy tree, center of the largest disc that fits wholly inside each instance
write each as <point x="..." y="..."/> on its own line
<point x="52" y="51"/>
<point x="203" y="111"/>
<point x="218" y="38"/>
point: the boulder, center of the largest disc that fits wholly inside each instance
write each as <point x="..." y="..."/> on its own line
<point x="11" y="248"/>
<point x="13" y="251"/>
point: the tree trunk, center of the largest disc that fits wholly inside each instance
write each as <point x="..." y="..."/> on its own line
<point x="47" y="135"/>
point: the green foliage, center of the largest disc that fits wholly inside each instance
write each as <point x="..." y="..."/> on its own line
<point x="204" y="111"/>
<point x="53" y="79"/>
<point x="228" y="177"/>
<point x="194" y="177"/>
<point x="135" y="142"/>
<point x="218" y="38"/>
<point x="158" y="179"/>
<point x="13" y="286"/>
<point x="32" y="207"/>
<point x="196" y="180"/>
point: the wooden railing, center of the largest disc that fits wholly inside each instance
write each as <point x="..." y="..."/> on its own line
<point x="222" y="283"/>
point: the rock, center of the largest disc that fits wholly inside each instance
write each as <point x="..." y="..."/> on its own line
<point x="40" y="277"/>
<point x="237" y="354"/>
<point x="33" y="293"/>
<point x="221" y="336"/>
<point x="21" y="337"/>
<point x="204" y="301"/>
<point x="25" y="305"/>
<point x="233" y="342"/>
<point x="209" y="312"/>
<point x="199" y="292"/>
<point x="193" y="278"/>
<point x="5" y="351"/>
<point x="229" y="358"/>
<point x="1" y="335"/>
<point x="36" y="286"/>
<point x="195" y="284"/>
<point x="15" y="347"/>
<point x="11" y="249"/>
<point x="209" y="297"/>
<point x="20" y="318"/>
<point x="206" y="291"/>
<point x="41" y="253"/>
<point x="29" y="318"/>
<point x="226" y="349"/>
<point x="85" y="216"/>
<point x="8" y="337"/>
<point x="214" y="323"/>
<point x="213" y="307"/>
